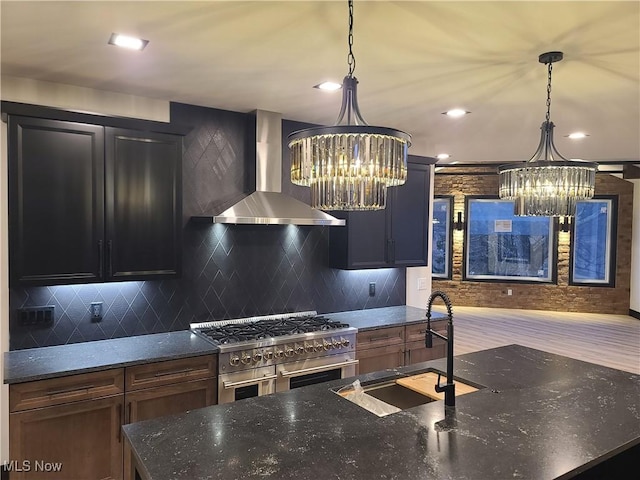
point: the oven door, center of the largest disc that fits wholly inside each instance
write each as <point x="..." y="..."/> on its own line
<point x="245" y="384"/>
<point x="315" y="370"/>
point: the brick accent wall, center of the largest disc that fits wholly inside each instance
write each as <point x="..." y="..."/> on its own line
<point x="561" y="296"/>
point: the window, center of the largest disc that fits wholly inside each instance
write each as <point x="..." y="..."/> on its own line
<point x="442" y="239"/>
<point x="500" y="246"/>
<point x="593" y="242"/>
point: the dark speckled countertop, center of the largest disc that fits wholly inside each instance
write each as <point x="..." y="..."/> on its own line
<point x="384" y="317"/>
<point x="541" y="416"/>
<point x="50" y="362"/>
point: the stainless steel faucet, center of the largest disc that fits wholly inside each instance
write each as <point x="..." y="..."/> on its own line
<point x="449" y="388"/>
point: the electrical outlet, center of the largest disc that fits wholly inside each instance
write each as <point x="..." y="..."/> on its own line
<point x="509" y="291"/>
<point x="42" y="316"/>
<point x="422" y="284"/>
<point x="96" y="311"/>
<point x="372" y="289"/>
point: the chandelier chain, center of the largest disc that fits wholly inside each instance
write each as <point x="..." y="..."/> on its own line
<point x="351" y="59"/>
<point x="550" y="65"/>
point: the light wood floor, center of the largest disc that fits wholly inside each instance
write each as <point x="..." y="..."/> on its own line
<point x="610" y="340"/>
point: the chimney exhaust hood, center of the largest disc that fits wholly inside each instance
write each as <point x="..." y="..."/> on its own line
<point x="268" y="205"/>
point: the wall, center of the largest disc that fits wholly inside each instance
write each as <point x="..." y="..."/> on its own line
<point x="562" y="296"/>
<point x="4" y="296"/>
<point x="230" y="271"/>
<point x="634" y="300"/>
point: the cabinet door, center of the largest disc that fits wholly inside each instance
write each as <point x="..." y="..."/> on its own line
<point x="380" y="349"/>
<point x="381" y="358"/>
<point x="362" y="243"/>
<point x="143" y="182"/>
<point x="56" y="201"/>
<point x="409" y="210"/>
<point x="415" y="351"/>
<point x="81" y="440"/>
<point x="170" y="399"/>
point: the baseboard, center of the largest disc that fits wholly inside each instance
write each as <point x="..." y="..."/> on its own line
<point x="634" y="314"/>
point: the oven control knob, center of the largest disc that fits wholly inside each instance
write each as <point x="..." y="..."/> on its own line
<point x="268" y="354"/>
<point x="257" y="357"/>
<point x="308" y="347"/>
<point x="344" y="342"/>
<point x="299" y="349"/>
<point x="336" y="343"/>
<point x="234" y="360"/>
<point x="289" y="352"/>
<point x="326" y="345"/>
<point x="246" y="359"/>
<point x="317" y="346"/>
<point x="279" y="353"/>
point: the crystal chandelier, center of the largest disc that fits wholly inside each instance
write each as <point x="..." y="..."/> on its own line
<point x="350" y="165"/>
<point x="547" y="184"/>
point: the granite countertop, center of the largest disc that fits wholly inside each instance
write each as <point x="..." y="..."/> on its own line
<point x="541" y="416"/>
<point x="51" y="362"/>
<point x="376" y="318"/>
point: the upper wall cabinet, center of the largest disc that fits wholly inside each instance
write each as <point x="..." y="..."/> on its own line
<point x="394" y="237"/>
<point x="89" y="203"/>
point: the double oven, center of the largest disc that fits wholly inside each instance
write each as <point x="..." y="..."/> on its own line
<point x="262" y="355"/>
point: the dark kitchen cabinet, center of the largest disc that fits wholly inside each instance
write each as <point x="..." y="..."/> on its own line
<point x="89" y="203"/>
<point x="56" y="201"/>
<point x="394" y="237"/>
<point x="143" y="204"/>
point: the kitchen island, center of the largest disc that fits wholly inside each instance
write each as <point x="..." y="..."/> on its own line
<point x="539" y="416"/>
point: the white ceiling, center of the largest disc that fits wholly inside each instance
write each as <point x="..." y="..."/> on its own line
<point x="415" y="60"/>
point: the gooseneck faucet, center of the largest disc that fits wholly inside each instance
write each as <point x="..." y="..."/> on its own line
<point x="449" y="388"/>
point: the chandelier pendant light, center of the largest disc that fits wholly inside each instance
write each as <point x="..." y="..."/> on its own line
<point x="547" y="184"/>
<point x="350" y="165"/>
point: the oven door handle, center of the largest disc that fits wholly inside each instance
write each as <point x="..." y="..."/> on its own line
<point x="321" y="368"/>
<point x="251" y="381"/>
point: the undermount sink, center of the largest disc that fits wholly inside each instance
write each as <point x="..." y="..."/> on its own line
<point x="385" y="396"/>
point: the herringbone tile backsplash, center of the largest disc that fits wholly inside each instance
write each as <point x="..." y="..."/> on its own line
<point x="229" y="271"/>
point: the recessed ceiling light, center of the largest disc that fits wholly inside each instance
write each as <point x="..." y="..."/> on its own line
<point x="456" y="113"/>
<point x="125" y="41"/>
<point x="443" y="156"/>
<point x="576" y="135"/>
<point x="329" y="86"/>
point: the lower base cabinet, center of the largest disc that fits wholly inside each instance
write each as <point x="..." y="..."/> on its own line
<point x="394" y="347"/>
<point x="69" y="428"/>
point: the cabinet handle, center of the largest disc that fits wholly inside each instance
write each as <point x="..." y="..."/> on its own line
<point x="100" y="258"/>
<point x="393" y="251"/>
<point x="127" y="413"/>
<point x="173" y="372"/>
<point x="379" y="337"/>
<point x="84" y="388"/>
<point x="109" y="254"/>
<point x="119" y="436"/>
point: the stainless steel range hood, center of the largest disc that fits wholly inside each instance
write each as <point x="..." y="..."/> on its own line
<point x="268" y="205"/>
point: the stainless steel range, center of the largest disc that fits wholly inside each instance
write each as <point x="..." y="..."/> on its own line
<point x="273" y="353"/>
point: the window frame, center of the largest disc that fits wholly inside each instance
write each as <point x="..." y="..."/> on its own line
<point x="552" y="277"/>
<point x="447" y="275"/>
<point x="612" y="238"/>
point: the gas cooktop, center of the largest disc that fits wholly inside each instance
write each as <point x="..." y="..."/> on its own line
<point x="259" y="328"/>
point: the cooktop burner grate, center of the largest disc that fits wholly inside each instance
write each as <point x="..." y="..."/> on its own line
<point x="268" y="328"/>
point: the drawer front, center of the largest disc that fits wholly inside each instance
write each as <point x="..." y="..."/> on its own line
<point x="415" y="332"/>
<point x="170" y="371"/>
<point x="72" y="388"/>
<point x="380" y="337"/>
